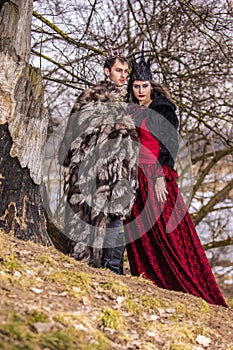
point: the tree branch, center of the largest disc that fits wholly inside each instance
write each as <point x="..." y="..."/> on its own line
<point x="217" y="244"/>
<point x="89" y="19"/>
<point x="184" y="106"/>
<point x="210" y="165"/>
<point x="63" y="82"/>
<point x="183" y="5"/>
<point x="205" y="156"/>
<point x="62" y="67"/>
<point x="206" y="209"/>
<point x="66" y="36"/>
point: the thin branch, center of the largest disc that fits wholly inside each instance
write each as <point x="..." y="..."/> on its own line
<point x="63" y="82"/>
<point x="89" y="19"/>
<point x="206" y="209"/>
<point x="134" y="17"/>
<point x="67" y="37"/>
<point x="217" y="244"/>
<point x="212" y="154"/>
<point x="183" y="5"/>
<point x="62" y="67"/>
<point x="185" y="108"/>
<point x="207" y="169"/>
<point x="222" y="208"/>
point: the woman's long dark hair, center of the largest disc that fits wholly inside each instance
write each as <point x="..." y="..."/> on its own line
<point x="157" y="90"/>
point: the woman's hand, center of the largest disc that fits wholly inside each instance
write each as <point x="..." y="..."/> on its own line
<point x="160" y="189"/>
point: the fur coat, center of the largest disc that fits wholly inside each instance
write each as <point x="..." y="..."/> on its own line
<point x="102" y="164"/>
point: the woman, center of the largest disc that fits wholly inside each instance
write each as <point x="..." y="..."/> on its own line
<point x="162" y="242"/>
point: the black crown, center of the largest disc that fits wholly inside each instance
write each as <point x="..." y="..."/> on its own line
<point x="141" y="70"/>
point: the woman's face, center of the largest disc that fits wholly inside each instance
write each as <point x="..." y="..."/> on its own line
<point x="142" y="92"/>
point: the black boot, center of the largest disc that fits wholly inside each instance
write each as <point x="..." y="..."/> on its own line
<point x="113" y="248"/>
<point x="113" y="259"/>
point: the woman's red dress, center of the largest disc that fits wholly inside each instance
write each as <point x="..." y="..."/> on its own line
<point x="163" y="242"/>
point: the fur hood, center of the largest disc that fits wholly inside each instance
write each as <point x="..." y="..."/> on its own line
<point x="104" y="91"/>
<point x="102" y="162"/>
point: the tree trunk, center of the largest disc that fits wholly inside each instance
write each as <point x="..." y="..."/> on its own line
<point x="21" y="208"/>
<point x="23" y="127"/>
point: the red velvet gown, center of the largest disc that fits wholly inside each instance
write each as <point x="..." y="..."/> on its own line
<point x="163" y="243"/>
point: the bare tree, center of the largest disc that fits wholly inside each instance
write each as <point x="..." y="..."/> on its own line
<point x="23" y="127"/>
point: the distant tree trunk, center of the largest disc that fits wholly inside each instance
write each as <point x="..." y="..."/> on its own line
<point x="23" y="127"/>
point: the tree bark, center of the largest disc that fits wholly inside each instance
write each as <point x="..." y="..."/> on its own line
<point x="21" y="208"/>
<point x="23" y="127"/>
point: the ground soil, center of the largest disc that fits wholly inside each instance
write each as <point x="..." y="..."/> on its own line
<point x="50" y="301"/>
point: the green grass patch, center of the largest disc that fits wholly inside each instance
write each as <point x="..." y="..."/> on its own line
<point x="132" y="306"/>
<point x="116" y="287"/>
<point x="152" y="303"/>
<point x="112" y="319"/>
<point x="70" y="278"/>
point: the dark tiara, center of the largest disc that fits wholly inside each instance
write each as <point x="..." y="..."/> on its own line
<point x="141" y="70"/>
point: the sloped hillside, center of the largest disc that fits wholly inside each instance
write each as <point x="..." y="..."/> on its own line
<point x="50" y="301"/>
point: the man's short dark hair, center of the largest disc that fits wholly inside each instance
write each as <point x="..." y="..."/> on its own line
<point x="110" y="61"/>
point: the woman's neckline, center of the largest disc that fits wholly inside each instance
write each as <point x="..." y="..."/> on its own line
<point x="147" y="105"/>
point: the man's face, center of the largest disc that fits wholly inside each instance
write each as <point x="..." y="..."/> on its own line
<point x="118" y="73"/>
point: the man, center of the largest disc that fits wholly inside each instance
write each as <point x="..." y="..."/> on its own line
<point x="95" y="233"/>
<point x="116" y="69"/>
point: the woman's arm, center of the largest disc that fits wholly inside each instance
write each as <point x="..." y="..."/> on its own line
<point x="166" y="124"/>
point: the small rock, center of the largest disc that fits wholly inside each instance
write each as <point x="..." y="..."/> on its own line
<point x="120" y="300"/>
<point x="36" y="290"/>
<point x="46" y="308"/>
<point x="110" y="330"/>
<point x="17" y="274"/>
<point x="153" y="318"/>
<point x="67" y="265"/>
<point x="85" y="300"/>
<point x="76" y="289"/>
<point x="24" y="252"/>
<point x="80" y="327"/>
<point x="39" y="279"/>
<point x="162" y="312"/>
<point x="171" y="311"/>
<point x="53" y="293"/>
<point x="152" y="334"/>
<point x="12" y="296"/>
<point x="63" y="294"/>
<point x="134" y="335"/>
<point x="98" y="296"/>
<point x="43" y="326"/>
<point x="202" y="340"/>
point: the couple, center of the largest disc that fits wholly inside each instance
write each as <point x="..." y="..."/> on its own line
<point x="130" y="150"/>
